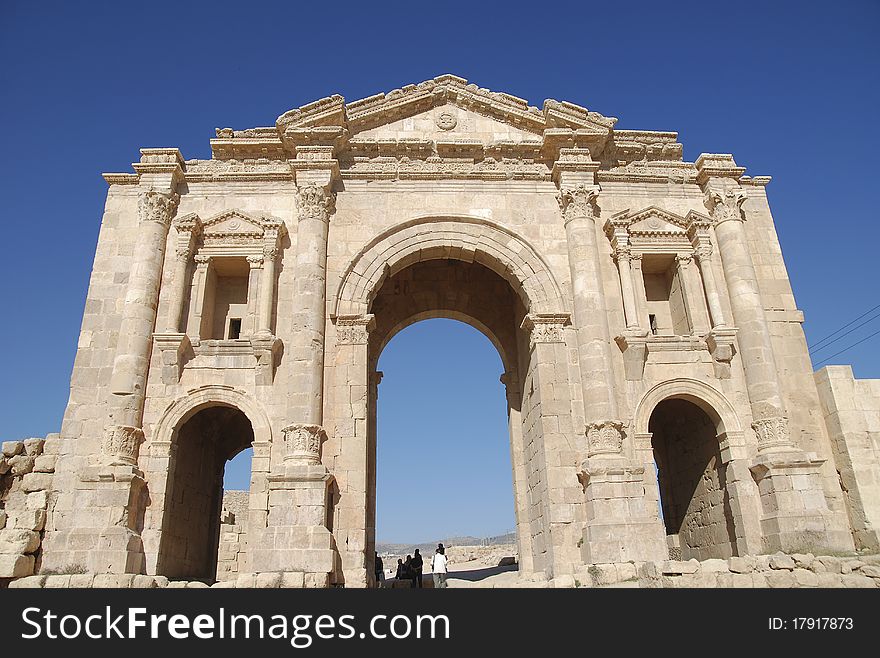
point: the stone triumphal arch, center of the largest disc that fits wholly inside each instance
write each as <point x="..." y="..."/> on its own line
<point x="660" y="395"/>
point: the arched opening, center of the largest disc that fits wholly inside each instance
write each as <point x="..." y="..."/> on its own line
<point x="445" y="409"/>
<point x="693" y="485"/>
<point x="443" y="453"/>
<point x="204" y="443"/>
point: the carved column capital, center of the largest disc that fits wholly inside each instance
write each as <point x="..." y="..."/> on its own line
<point x="302" y="443"/>
<point x="354" y="329"/>
<point x="157" y="206"/>
<point x="315" y="202"/>
<point x="270" y="252"/>
<point x="772" y="433"/>
<point x="579" y="201"/>
<point x="546" y="327"/>
<point x="725" y="206"/>
<point x="255" y="262"/>
<point x="120" y="445"/>
<point x="683" y="259"/>
<point x="604" y="437"/>
<point x="201" y="259"/>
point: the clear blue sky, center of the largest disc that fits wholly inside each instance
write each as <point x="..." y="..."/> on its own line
<point x="791" y="88"/>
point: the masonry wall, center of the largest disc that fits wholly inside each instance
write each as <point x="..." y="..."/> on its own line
<point x="852" y="414"/>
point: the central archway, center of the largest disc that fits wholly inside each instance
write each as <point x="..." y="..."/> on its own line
<point x="480" y="273"/>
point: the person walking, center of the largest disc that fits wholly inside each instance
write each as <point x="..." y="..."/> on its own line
<point x="380" y="571"/>
<point x="417" y="565"/>
<point x="401" y="570"/>
<point x="439" y="565"/>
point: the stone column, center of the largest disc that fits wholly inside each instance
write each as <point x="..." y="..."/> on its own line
<point x="705" y="261"/>
<point x="114" y="478"/>
<point x="127" y="381"/>
<point x="172" y="343"/>
<point x="693" y="295"/>
<point x="267" y="291"/>
<point x="618" y="528"/>
<point x="316" y="204"/>
<point x="756" y="347"/>
<point x="624" y="268"/>
<point x="590" y="315"/>
<point x="640" y="292"/>
<point x="795" y="510"/>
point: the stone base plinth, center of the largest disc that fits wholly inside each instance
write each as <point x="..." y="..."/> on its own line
<point x="297" y="538"/>
<point x="795" y="513"/>
<point x="619" y="528"/>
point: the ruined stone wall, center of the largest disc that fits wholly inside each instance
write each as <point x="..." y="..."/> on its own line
<point x="233" y="535"/>
<point x="852" y="414"/>
<point x="26" y="495"/>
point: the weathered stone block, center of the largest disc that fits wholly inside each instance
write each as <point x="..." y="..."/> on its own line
<point x="12" y="448"/>
<point x="857" y="580"/>
<point x="16" y="566"/>
<point x="781" y="561"/>
<point x="742" y="564"/>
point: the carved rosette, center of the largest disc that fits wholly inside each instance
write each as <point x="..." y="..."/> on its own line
<point x="354" y="329"/>
<point x="725" y="206"/>
<point x="315" y="202"/>
<point x="772" y="432"/>
<point x="578" y="201"/>
<point x="157" y="206"/>
<point x="546" y="328"/>
<point x="604" y="438"/>
<point x="121" y="444"/>
<point x="302" y="443"/>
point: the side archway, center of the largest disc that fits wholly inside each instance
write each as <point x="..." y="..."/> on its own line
<point x="195" y="437"/>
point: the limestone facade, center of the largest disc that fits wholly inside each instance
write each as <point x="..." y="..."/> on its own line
<point x="653" y="350"/>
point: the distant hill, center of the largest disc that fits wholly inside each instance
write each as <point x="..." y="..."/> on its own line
<point x="428" y="547"/>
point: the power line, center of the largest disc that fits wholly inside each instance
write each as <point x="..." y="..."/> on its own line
<point x="871" y="310"/>
<point x="848" y="348"/>
<point x="845" y="334"/>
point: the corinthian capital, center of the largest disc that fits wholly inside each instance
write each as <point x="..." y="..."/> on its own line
<point x="120" y="445"/>
<point x="315" y="202"/>
<point x="303" y="443"/>
<point x="604" y="438"/>
<point x="725" y="206"/>
<point x="158" y="206"/>
<point x="578" y="201"/>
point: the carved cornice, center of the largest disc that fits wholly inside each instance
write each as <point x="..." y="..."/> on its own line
<point x="158" y="206"/>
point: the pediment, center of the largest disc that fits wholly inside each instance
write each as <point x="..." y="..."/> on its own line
<point x="233" y="222"/>
<point x="449" y="122"/>
<point x="651" y="220"/>
<point x="413" y="110"/>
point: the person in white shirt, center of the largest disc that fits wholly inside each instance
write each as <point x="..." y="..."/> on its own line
<point x="438" y="568"/>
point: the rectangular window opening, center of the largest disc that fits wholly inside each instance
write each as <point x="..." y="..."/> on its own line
<point x="234" y="329"/>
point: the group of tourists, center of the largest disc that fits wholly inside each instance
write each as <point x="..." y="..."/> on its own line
<point x="413" y="567"/>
